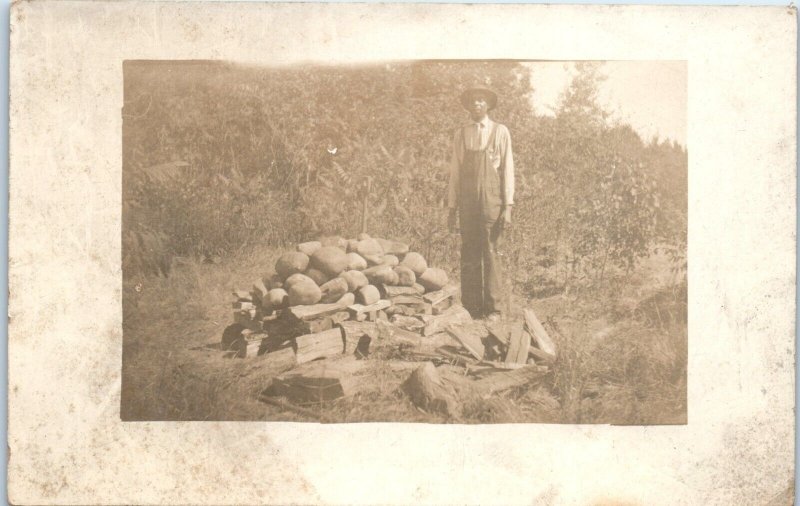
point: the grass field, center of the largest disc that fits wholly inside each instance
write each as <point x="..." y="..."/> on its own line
<point x="622" y="355"/>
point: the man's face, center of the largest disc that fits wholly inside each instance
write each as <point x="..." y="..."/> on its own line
<point x="478" y="105"/>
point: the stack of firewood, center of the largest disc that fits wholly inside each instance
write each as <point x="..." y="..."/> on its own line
<point x="316" y="316"/>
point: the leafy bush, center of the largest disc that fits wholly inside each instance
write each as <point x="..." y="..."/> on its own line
<point x="218" y="157"/>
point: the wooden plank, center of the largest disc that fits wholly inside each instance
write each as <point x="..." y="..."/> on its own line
<point x="406" y="299"/>
<point x="499" y="331"/>
<point x="539" y="355"/>
<point x="314" y="311"/>
<point x="519" y="343"/>
<point x="540" y="337"/>
<point x="455" y="315"/>
<point x="441" y="306"/>
<point x="358" y="336"/>
<point x="360" y="312"/>
<point x="392" y="291"/>
<point x="500" y="381"/>
<point x="449" y="291"/>
<point x="323" y="380"/>
<point x="468" y="338"/>
<point x="341" y="316"/>
<point x="389" y="333"/>
<point x="310" y="347"/>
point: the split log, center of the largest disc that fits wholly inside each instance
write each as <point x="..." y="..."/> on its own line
<point x="310" y="319"/>
<point x="470" y="338"/>
<point x="277" y="362"/>
<point x="455" y="315"/>
<point x="358" y="336"/>
<point x="389" y="333"/>
<point x="314" y="311"/>
<point x="310" y="347"/>
<point x="539" y="335"/>
<point x="499" y="331"/>
<point x="430" y="393"/>
<point x="449" y="291"/>
<point x="406" y="299"/>
<point x="539" y="355"/>
<point x="393" y="291"/>
<point x="360" y="312"/>
<point x="323" y="380"/>
<point x="519" y="344"/>
<point x="441" y="306"/>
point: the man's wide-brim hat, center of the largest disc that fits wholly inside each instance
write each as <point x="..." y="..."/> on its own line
<point x="468" y="94"/>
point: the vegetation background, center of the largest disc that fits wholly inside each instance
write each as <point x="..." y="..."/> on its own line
<point x="226" y="165"/>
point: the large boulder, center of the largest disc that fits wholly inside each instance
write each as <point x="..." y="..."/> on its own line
<point x="309" y="247"/>
<point x="354" y="279"/>
<point x="395" y="248"/>
<point x="296" y="278"/>
<point x="405" y="276"/>
<point x="433" y="279"/>
<point x="291" y="263"/>
<point x="390" y="260"/>
<point x="329" y="259"/>
<point x="363" y="235"/>
<point x="352" y="246"/>
<point x="303" y="293"/>
<point x="415" y="262"/>
<point x="317" y="275"/>
<point x="367" y="295"/>
<point x="381" y="274"/>
<point x="333" y="290"/>
<point x="335" y="241"/>
<point x="347" y="299"/>
<point x="355" y="262"/>
<point x="369" y="247"/>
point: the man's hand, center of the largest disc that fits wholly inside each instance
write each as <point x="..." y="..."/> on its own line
<point x="451" y="221"/>
<point x="506" y="216"/>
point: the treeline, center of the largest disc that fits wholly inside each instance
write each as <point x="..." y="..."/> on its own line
<point x="218" y="157"/>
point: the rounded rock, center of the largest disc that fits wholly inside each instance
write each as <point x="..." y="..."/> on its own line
<point x="329" y="259"/>
<point x="291" y="263"/>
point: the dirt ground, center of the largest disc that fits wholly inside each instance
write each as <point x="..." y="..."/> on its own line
<point x="622" y="355"/>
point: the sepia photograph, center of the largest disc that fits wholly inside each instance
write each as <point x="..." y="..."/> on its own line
<point x="438" y="241"/>
<point x="495" y="254"/>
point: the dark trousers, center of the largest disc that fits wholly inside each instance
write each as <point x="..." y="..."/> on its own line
<point x="481" y="268"/>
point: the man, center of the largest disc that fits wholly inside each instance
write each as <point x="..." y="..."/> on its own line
<point x="481" y="194"/>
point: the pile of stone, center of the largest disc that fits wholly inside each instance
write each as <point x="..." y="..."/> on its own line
<point x="333" y="302"/>
<point x="325" y="282"/>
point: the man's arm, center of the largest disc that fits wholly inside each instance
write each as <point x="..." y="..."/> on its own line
<point x="507" y="167"/>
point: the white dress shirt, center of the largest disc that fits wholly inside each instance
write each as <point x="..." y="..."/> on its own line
<point x="475" y="136"/>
